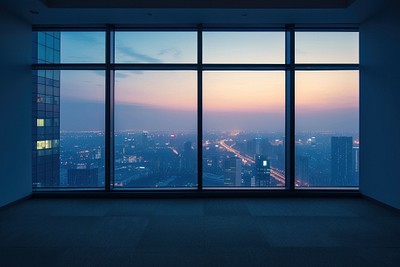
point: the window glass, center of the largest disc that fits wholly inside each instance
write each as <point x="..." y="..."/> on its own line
<point x="82" y="47"/>
<point x="155" y="47"/>
<point x="327" y="128"/>
<point x="82" y="143"/>
<point x="155" y="129"/>
<point x="243" y="129"/>
<point x="244" y="47"/>
<point x="327" y="47"/>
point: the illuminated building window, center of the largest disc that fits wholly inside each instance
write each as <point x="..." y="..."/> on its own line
<point x="40" y="122"/>
<point x="45" y="144"/>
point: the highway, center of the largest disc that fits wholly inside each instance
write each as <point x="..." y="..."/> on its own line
<point x="276" y="174"/>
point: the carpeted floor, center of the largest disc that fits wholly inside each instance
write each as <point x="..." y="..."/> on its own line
<point x="199" y="232"/>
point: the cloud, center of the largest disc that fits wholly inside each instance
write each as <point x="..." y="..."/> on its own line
<point x="175" y="52"/>
<point x="88" y="37"/>
<point x="127" y="51"/>
<point x="121" y="75"/>
<point x="100" y="73"/>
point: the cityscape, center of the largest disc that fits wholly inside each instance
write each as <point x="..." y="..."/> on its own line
<point x="155" y="144"/>
<point x="160" y="159"/>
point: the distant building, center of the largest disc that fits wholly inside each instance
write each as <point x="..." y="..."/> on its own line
<point x="342" y="161"/>
<point x="262" y="171"/>
<point x="302" y="170"/>
<point x="189" y="158"/>
<point x="232" y="172"/>
<point x="46" y="112"/>
<point x="83" y="177"/>
<point x="145" y="139"/>
<point x="356" y="162"/>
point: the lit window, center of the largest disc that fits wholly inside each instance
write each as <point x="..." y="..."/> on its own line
<point x="44" y="144"/>
<point x="40" y="145"/>
<point x="40" y="122"/>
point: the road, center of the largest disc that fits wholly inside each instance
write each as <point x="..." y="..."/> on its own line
<point x="276" y="174"/>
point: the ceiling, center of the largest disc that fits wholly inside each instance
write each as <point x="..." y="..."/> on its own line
<point x="192" y="12"/>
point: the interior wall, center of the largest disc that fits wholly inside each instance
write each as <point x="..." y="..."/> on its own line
<point x="15" y="108"/>
<point x="379" y="106"/>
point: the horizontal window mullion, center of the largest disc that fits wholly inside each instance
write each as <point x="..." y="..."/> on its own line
<point x="216" y="28"/>
<point x="208" y="67"/>
<point x="326" y="67"/>
<point x="330" y="28"/>
<point x="45" y="28"/>
<point x="69" y="66"/>
<point x="150" y="66"/>
<point x="244" y="67"/>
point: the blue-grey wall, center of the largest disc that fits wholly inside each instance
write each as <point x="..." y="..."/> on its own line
<point x="380" y="105"/>
<point x="15" y="109"/>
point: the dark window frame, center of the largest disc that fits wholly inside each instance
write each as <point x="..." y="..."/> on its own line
<point x="289" y="66"/>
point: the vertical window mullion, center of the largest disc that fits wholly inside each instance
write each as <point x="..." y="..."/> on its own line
<point x="200" y="108"/>
<point x="109" y="109"/>
<point x="290" y="108"/>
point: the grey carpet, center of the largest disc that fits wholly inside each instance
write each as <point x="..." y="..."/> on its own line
<point x="199" y="232"/>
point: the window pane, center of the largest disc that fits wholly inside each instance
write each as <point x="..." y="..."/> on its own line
<point x="69" y="148"/>
<point x="82" y="47"/>
<point x="155" y="129"/>
<point x="82" y="128"/>
<point x="244" y="47"/>
<point x="155" y="47"/>
<point x="327" y="128"/>
<point x="69" y="47"/>
<point x="327" y="47"/>
<point x="244" y="122"/>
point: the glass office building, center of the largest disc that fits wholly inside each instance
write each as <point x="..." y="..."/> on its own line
<point x="46" y="111"/>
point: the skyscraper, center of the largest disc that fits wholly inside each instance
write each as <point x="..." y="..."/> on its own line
<point x="341" y="160"/>
<point x="188" y="160"/>
<point x="302" y="170"/>
<point x="262" y="171"/>
<point x="46" y="112"/>
<point x="232" y="172"/>
<point x="356" y="162"/>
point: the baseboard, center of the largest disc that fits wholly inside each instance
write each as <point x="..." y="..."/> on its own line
<point x="13" y="203"/>
<point x="379" y="203"/>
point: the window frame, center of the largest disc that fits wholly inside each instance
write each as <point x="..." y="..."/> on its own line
<point x="289" y="67"/>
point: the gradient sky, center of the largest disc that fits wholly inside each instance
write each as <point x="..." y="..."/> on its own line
<point x="167" y="100"/>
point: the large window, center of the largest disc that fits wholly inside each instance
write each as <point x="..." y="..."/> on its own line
<point x="195" y="109"/>
<point x="327" y="111"/>
<point x="243" y="128"/>
<point x="155" y="129"/>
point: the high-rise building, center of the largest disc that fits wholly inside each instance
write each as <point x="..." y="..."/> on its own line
<point x="145" y="139"/>
<point x="83" y="177"/>
<point x="188" y="160"/>
<point x="356" y="162"/>
<point x="232" y="171"/>
<point x="262" y="171"/>
<point x="341" y="160"/>
<point x="302" y="170"/>
<point x="46" y="112"/>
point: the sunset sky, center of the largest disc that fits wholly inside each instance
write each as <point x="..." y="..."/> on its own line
<point x="244" y="100"/>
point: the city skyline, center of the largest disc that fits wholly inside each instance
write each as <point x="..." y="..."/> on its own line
<point x="155" y="115"/>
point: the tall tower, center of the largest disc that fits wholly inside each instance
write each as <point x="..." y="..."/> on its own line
<point x="262" y="171"/>
<point x="302" y="169"/>
<point x="232" y="172"/>
<point x="46" y="112"/>
<point x="341" y="160"/>
<point x="189" y="158"/>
